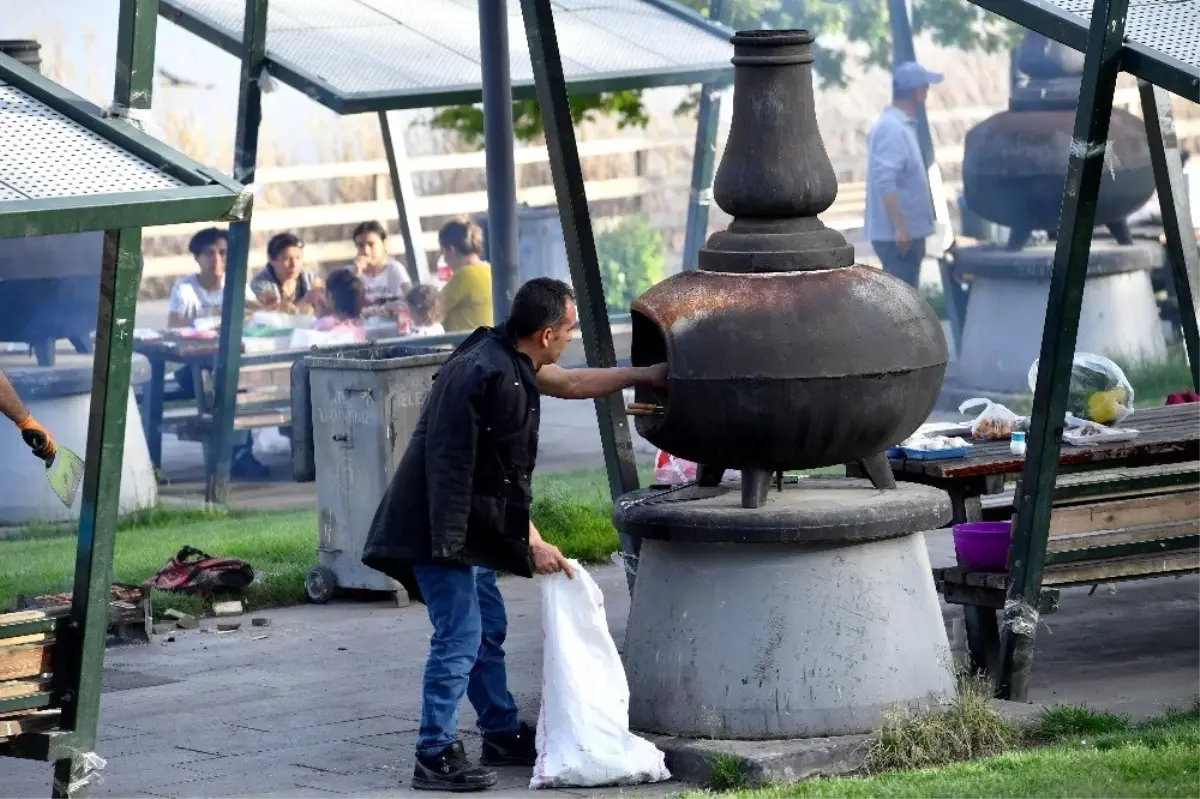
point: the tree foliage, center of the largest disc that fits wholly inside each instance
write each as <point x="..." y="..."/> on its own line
<point x="865" y="23"/>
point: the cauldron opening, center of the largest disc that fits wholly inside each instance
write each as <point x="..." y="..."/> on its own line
<point x="647" y="348"/>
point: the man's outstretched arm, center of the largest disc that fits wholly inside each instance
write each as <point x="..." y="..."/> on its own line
<point x="555" y="381"/>
<point x="12" y="407"/>
<point x="10" y="404"/>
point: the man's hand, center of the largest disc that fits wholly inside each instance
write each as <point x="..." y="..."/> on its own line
<point x="656" y="376"/>
<point x="903" y="239"/>
<point x="38" y="438"/>
<point x="547" y="559"/>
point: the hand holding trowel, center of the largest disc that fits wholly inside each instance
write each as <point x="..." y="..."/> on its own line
<point x="64" y="469"/>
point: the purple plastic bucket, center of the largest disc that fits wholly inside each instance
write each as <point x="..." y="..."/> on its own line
<point x="983" y="546"/>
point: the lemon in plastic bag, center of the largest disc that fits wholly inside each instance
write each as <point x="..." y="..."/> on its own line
<point x="1107" y="407"/>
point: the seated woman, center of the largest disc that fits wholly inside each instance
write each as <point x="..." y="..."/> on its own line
<point x="347" y="296"/>
<point x="284" y="285"/>
<point x="385" y="279"/>
<point x="425" y="309"/>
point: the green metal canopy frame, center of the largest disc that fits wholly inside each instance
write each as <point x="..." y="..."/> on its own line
<point x="68" y="167"/>
<point x="1158" y="41"/>
<point x="382" y="56"/>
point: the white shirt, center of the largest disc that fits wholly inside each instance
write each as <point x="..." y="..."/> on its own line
<point x="392" y="281"/>
<point x="192" y="301"/>
<point x="435" y="329"/>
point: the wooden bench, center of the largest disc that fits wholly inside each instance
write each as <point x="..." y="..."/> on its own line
<point x="26" y="674"/>
<point x="263" y="400"/>
<point x="1105" y="526"/>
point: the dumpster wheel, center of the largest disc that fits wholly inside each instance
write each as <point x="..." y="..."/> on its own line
<point x="319" y="584"/>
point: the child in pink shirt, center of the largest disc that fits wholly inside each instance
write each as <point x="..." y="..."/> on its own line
<point x="348" y="297"/>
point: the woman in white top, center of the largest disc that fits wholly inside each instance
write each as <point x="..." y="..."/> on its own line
<point x="385" y="279"/>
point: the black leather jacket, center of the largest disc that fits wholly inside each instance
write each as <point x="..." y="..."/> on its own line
<point x="461" y="493"/>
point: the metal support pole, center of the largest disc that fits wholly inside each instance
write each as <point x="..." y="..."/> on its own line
<point x="903" y="50"/>
<point x="79" y="653"/>
<point x="581" y="245"/>
<point x="233" y="307"/>
<point x="1176" y="214"/>
<point x="405" y="195"/>
<point x="501" y="170"/>
<point x="1027" y="555"/>
<point x="708" y="120"/>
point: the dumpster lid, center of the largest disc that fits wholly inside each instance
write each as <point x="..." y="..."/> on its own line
<point x="376" y="357"/>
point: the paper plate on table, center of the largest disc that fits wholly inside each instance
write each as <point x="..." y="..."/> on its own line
<point x="1113" y="435"/>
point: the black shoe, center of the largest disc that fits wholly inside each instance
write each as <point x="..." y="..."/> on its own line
<point x="449" y="770"/>
<point x="518" y="749"/>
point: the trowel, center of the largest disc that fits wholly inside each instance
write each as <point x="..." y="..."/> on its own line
<point x="64" y="470"/>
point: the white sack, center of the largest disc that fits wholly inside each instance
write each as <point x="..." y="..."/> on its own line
<point x="583" y="737"/>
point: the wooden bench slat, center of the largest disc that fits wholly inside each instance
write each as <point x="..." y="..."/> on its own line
<point x="31" y="722"/>
<point x="1083" y="572"/>
<point x="1124" y="513"/>
<point x="32" y="701"/>
<point x="26" y="660"/>
<point x="25" y="687"/>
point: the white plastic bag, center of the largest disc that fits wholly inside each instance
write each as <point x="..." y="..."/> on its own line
<point x="995" y="423"/>
<point x="583" y="737"/>
<point x="672" y="471"/>
<point x="1099" y="391"/>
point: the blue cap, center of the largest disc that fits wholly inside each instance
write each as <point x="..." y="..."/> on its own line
<point x="911" y="75"/>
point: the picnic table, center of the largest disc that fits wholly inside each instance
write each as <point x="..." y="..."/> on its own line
<point x="265" y="352"/>
<point x="1170" y="434"/>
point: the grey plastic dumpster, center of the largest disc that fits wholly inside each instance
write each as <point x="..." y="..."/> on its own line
<point x="349" y="429"/>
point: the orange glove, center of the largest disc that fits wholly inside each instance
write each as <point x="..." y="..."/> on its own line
<point x="38" y="438"/>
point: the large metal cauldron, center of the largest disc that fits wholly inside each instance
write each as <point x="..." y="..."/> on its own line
<point x="781" y="352"/>
<point x="1015" y="168"/>
<point x="1015" y="162"/>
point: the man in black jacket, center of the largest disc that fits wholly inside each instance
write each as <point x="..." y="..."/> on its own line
<point x="458" y="509"/>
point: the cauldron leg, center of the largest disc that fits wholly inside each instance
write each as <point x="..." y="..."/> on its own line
<point x="755" y="485"/>
<point x="1017" y="238"/>
<point x="879" y="471"/>
<point x="1120" y="232"/>
<point x="708" y="475"/>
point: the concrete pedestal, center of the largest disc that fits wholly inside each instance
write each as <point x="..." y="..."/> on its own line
<point x="821" y="617"/>
<point x="1002" y="333"/>
<point x="60" y="397"/>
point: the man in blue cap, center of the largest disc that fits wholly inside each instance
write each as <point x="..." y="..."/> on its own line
<point x="899" y="214"/>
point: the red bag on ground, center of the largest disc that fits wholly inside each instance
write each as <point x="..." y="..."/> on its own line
<point x="194" y="572"/>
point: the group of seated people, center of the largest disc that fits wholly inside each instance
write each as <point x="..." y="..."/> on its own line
<point x="374" y="285"/>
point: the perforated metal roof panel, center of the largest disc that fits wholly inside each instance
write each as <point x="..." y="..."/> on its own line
<point x="1162" y="37"/>
<point x="378" y="55"/>
<point x="65" y="169"/>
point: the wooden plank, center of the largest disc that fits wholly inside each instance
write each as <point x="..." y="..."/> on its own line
<point x="25" y="723"/>
<point x="25" y="687"/>
<point x="312" y="216"/>
<point x="1125" y="513"/>
<point x="1108" y="538"/>
<point x="1106" y="570"/>
<point x="28" y="660"/>
<point x="32" y="638"/>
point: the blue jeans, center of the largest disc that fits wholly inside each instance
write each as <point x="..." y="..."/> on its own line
<point x="466" y="654"/>
<point x="904" y="265"/>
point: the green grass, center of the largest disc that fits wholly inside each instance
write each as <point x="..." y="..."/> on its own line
<point x="1153" y="380"/>
<point x="1082" y="754"/>
<point x="727" y="773"/>
<point x="964" y="728"/>
<point x="572" y="510"/>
